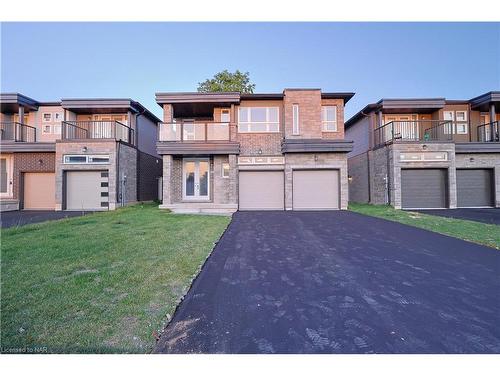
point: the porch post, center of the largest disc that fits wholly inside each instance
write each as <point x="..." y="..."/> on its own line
<point x="21" y="114"/>
<point x="493" y="118"/>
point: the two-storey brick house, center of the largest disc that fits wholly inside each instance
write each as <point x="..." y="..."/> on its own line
<point x="426" y="153"/>
<point x="228" y="151"/>
<point x="76" y="154"/>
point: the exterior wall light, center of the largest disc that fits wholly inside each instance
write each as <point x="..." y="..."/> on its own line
<point x="84" y="149"/>
<point x="424" y="147"/>
<point x="349" y="178"/>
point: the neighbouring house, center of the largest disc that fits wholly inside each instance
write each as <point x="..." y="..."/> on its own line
<point x="224" y="152"/>
<point x="426" y="153"/>
<point x="76" y="154"/>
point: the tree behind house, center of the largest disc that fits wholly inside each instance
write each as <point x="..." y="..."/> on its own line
<point x="226" y="81"/>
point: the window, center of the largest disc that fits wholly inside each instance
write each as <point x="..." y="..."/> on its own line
<point x="224" y="115"/>
<point x="47" y="128"/>
<point x="58" y="116"/>
<point x="86" y="159"/>
<point x="295" y="119"/>
<point x="225" y="170"/>
<point x="258" y="119"/>
<point x="47" y="117"/>
<point x="329" y="118"/>
<point x="458" y="125"/>
<point x="461" y="124"/>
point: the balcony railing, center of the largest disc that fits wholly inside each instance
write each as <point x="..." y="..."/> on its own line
<point x="488" y="132"/>
<point x="194" y="131"/>
<point x="73" y="130"/>
<point x="413" y="131"/>
<point x="17" y="132"/>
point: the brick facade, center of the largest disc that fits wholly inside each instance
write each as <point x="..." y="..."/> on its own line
<point x="385" y="171"/>
<point x="224" y="191"/>
<point x="30" y="162"/>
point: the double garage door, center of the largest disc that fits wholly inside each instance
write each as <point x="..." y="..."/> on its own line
<point x="428" y="188"/>
<point x="312" y="190"/>
<point x="87" y="190"/>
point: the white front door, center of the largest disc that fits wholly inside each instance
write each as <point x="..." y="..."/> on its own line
<point x="6" y="176"/>
<point x="403" y="127"/>
<point x="196" y="177"/>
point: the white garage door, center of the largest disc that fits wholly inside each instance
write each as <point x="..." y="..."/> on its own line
<point x="261" y="190"/>
<point x="316" y="189"/>
<point x="39" y="191"/>
<point x="87" y="190"/>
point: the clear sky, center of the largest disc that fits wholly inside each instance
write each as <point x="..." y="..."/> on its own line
<point x="50" y="61"/>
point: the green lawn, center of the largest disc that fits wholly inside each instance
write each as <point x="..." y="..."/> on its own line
<point x="485" y="234"/>
<point x="100" y="283"/>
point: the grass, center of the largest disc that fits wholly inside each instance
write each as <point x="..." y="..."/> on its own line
<point x="481" y="233"/>
<point x="99" y="283"/>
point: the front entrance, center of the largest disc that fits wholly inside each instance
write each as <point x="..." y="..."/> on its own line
<point x="196" y="177"/>
<point x="6" y="176"/>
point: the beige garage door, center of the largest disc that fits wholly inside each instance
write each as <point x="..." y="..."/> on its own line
<point x="316" y="189"/>
<point x="39" y="191"/>
<point x="262" y="190"/>
<point x="87" y="190"/>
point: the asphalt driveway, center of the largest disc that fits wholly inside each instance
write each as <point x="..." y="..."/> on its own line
<point x="20" y="218"/>
<point x="338" y="282"/>
<point x="483" y="215"/>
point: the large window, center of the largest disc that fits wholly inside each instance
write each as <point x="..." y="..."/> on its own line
<point x="295" y="116"/>
<point x="86" y="159"/>
<point x="458" y="124"/>
<point x="258" y="119"/>
<point x="329" y="118"/>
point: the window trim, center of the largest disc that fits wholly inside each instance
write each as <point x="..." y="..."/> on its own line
<point x="295" y="119"/>
<point x="223" y="175"/>
<point x="267" y="122"/>
<point x="50" y="117"/>
<point x="87" y="159"/>
<point x="324" y="123"/>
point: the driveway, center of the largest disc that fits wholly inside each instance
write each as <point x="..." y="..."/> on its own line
<point x="19" y="218"/>
<point x="483" y="215"/>
<point x="338" y="282"/>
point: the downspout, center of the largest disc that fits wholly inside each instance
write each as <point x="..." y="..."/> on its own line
<point x="118" y="179"/>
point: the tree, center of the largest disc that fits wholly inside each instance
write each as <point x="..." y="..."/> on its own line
<point x="225" y="81"/>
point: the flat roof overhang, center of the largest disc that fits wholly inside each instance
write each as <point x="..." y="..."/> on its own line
<point x="197" y="104"/>
<point x="483" y="102"/>
<point x="316" y="145"/>
<point x="9" y="146"/>
<point x="411" y="105"/>
<point x="10" y="103"/>
<point x="91" y="106"/>
<point x="198" y="148"/>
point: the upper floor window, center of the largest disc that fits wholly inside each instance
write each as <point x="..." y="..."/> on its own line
<point x="47" y="117"/>
<point x="458" y="124"/>
<point x="329" y="118"/>
<point x="258" y="119"/>
<point x="295" y="119"/>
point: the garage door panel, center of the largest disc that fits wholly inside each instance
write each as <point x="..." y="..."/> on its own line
<point x="39" y="191"/>
<point x="316" y="189"/>
<point x="424" y="188"/>
<point x="475" y="188"/>
<point x="86" y="190"/>
<point x="261" y="190"/>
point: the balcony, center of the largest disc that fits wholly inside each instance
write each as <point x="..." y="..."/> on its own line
<point x="17" y="132"/>
<point x="488" y="132"/>
<point x="413" y="131"/>
<point x="196" y="138"/>
<point x="105" y="130"/>
<point x="194" y="131"/>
